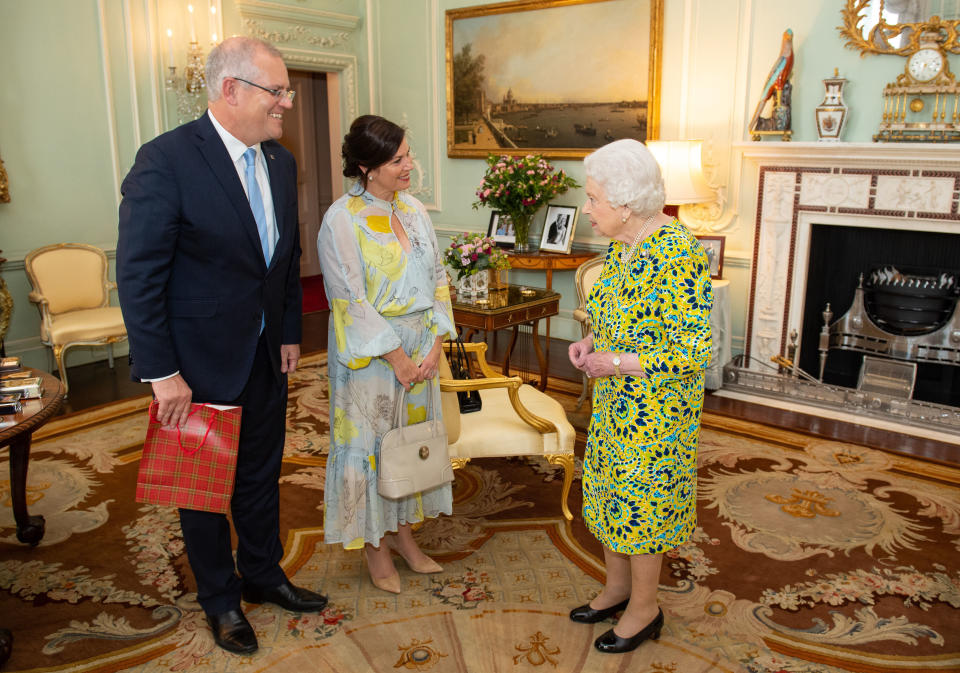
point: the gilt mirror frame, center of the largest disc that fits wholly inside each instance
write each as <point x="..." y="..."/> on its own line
<point x="554" y="20"/>
<point x="877" y="39"/>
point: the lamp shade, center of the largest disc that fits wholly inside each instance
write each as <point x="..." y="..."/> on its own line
<point x="682" y="170"/>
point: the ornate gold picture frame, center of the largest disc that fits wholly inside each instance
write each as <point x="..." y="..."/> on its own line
<point x="532" y="77"/>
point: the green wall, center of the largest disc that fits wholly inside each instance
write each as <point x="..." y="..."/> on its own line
<point x="74" y="109"/>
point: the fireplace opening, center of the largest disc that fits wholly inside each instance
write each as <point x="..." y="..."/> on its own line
<point x="838" y="255"/>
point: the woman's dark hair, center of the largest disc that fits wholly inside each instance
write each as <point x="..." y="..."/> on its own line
<point x="371" y="142"/>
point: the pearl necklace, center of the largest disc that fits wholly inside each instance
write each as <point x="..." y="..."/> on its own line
<point x="626" y="256"/>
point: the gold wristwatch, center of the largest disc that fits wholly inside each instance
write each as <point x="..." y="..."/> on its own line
<point x="616" y="364"/>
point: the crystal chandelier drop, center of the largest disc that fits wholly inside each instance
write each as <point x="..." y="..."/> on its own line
<point x="189" y="88"/>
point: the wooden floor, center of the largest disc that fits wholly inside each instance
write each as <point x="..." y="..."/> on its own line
<point x="96" y="384"/>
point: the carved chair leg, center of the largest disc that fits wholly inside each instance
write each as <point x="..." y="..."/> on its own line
<point x="567" y="461"/>
<point x="58" y="355"/>
<point x="585" y="391"/>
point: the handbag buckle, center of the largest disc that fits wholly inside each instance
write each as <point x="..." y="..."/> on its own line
<point x="424" y="452"/>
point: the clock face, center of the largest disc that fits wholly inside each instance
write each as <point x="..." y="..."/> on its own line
<point x="925" y="64"/>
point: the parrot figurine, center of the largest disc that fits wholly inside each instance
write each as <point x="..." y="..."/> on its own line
<point x="777" y="78"/>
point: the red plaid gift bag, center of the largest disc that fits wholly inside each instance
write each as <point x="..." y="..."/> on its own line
<point x="191" y="466"/>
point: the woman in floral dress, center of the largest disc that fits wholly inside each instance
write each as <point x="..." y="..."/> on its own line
<point x="390" y="312"/>
<point x="648" y="349"/>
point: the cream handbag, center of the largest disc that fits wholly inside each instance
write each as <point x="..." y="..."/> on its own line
<point x="413" y="458"/>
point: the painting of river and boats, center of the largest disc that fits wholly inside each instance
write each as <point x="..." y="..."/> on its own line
<point x="554" y="77"/>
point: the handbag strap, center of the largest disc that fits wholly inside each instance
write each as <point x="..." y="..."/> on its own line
<point x="398" y="414"/>
<point x="460" y="367"/>
<point x="194" y="409"/>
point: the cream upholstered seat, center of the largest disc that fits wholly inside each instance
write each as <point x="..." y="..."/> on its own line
<point x="587" y="274"/>
<point x="514" y="420"/>
<point x="72" y="293"/>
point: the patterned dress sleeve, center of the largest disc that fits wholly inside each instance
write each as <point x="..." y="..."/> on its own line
<point x="361" y="332"/>
<point x="686" y="297"/>
<point x="443" y="324"/>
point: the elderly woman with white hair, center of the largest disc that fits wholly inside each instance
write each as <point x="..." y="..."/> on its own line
<point x="648" y="349"/>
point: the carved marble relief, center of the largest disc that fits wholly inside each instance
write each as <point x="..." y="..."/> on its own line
<point x="918" y="194"/>
<point x="835" y="191"/>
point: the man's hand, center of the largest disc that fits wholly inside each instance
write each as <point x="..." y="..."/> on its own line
<point x="173" y="400"/>
<point x="289" y="357"/>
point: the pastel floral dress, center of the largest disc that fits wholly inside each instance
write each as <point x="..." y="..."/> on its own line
<point x="640" y="464"/>
<point x="381" y="297"/>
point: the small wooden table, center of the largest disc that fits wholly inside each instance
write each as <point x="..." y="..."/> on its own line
<point x="35" y="413"/>
<point x="515" y="306"/>
<point x="549" y="261"/>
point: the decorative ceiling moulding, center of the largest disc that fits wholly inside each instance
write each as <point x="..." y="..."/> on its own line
<point x="282" y="25"/>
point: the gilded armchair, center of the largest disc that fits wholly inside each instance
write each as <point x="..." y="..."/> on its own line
<point x="72" y="293"/>
<point x="515" y="420"/>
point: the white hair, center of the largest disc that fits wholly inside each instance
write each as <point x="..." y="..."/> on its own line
<point x="234" y="58"/>
<point x="629" y="175"/>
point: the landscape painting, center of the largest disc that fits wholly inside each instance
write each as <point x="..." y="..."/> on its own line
<point x="554" y="77"/>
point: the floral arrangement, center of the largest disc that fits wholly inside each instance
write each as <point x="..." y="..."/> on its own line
<point x="469" y="254"/>
<point x="518" y="187"/>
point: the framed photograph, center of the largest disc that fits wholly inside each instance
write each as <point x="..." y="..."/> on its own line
<point x="714" y="248"/>
<point x="531" y="76"/>
<point x="500" y="230"/>
<point x="558" y="228"/>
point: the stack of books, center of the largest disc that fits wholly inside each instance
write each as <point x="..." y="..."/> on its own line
<point x="28" y="387"/>
<point x="10" y="364"/>
<point x="15" y="380"/>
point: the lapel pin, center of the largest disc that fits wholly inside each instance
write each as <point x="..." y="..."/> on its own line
<point x="270" y="155"/>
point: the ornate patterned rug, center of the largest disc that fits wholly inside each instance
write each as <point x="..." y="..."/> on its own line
<point x="810" y="556"/>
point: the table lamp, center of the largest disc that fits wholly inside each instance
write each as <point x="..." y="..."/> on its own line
<point x="682" y="168"/>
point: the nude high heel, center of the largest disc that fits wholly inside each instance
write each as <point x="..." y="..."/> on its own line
<point x="424" y="567"/>
<point x="390" y="583"/>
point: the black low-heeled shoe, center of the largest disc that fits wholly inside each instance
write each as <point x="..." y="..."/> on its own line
<point x="611" y="643"/>
<point x="587" y="615"/>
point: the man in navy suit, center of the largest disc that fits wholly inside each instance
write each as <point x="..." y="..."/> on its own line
<point x="208" y="266"/>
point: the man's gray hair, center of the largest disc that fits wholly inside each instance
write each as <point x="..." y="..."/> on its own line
<point x="234" y="58"/>
<point x="629" y="175"/>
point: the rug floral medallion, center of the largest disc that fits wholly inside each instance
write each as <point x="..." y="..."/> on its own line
<point x="810" y="556"/>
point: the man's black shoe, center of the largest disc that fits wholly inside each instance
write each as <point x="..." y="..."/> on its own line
<point x="233" y="632"/>
<point x="287" y="596"/>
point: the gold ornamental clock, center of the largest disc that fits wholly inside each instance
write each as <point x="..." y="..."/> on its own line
<point x="923" y="103"/>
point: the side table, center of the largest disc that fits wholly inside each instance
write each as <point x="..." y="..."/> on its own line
<point x="17" y="436"/>
<point x="510" y="308"/>
<point x="720" y="328"/>
<point x="549" y="262"/>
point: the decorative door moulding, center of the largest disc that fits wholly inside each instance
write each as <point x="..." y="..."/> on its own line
<point x="910" y="186"/>
<point x="309" y="39"/>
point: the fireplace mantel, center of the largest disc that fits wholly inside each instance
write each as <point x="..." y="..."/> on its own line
<point x="871" y="155"/>
<point x="914" y="186"/>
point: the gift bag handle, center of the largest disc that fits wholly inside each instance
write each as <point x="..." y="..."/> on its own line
<point x="195" y="409"/>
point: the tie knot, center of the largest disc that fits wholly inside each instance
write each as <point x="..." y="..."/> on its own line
<point x="250" y="156"/>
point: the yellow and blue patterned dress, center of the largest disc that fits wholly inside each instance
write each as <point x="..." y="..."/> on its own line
<point x="381" y="297"/>
<point x="640" y="465"/>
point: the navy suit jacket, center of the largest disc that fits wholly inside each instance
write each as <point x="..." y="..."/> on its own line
<point x="191" y="277"/>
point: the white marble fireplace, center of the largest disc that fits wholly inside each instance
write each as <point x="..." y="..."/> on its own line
<point x="910" y="186"/>
<point x="906" y="186"/>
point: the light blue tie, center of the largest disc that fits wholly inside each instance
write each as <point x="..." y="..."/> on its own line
<point x="256" y="203"/>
